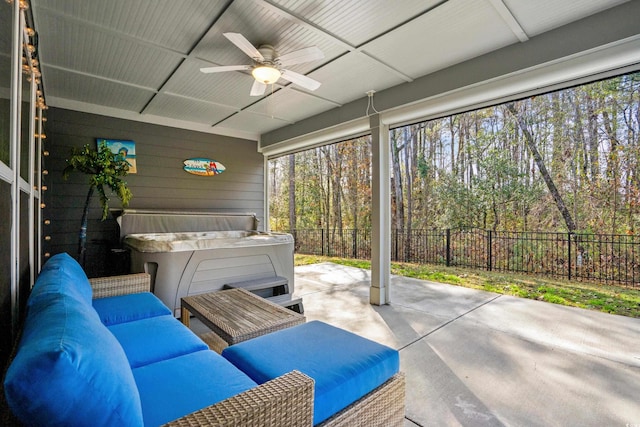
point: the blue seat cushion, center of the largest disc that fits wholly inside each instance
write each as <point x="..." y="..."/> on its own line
<point x="156" y="338"/>
<point x="61" y="274"/>
<point x="173" y="388"/>
<point x="127" y="308"/>
<point x="345" y="366"/>
<point x="70" y="370"/>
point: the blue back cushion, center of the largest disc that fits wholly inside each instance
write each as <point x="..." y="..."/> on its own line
<point x="70" y="370"/>
<point x="61" y="275"/>
<point x="127" y="308"/>
<point x="345" y="366"/>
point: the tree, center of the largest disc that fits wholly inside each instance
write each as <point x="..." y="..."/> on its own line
<point x="104" y="169"/>
<point x="562" y="207"/>
<point x="292" y="192"/>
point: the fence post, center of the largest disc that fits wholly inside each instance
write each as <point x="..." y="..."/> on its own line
<point x="355" y="243"/>
<point x="395" y="258"/>
<point x="489" y="250"/>
<point x="569" y="253"/>
<point x="322" y="240"/>
<point x="448" y="259"/>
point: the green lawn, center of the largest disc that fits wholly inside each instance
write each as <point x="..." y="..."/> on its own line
<point x="606" y="298"/>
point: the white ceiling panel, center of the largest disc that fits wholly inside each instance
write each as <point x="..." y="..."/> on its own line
<point x="539" y="16"/>
<point x="351" y="76"/>
<point x="187" y="109"/>
<point x="172" y="24"/>
<point x="253" y="123"/>
<point x="447" y="35"/>
<point x="357" y="21"/>
<point x="229" y="88"/>
<point x="143" y="56"/>
<point x="79" y="47"/>
<point x="291" y="105"/>
<point x="78" y="87"/>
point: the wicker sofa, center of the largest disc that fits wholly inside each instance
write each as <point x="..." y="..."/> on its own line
<point x="107" y="352"/>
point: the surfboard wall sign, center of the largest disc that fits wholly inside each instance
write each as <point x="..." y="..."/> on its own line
<point x="203" y="167"/>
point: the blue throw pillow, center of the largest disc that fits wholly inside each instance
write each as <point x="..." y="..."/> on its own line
<point x="61" y="275"/>
<point x="70" y="370"/>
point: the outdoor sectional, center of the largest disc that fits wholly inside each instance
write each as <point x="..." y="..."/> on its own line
<point x="108" y="352"/>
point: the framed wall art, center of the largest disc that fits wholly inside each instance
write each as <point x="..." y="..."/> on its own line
<point x="125" y="148"/>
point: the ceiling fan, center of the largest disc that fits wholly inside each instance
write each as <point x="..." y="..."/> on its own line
<point x="267" y="64"/>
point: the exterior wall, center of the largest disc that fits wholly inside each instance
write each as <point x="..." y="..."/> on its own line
<point x="5" y="267"/>
<point x="160" y="181"/>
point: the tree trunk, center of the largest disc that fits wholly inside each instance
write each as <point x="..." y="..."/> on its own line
<point x="562" y="207"/>
<point x="397" y="180"/>
<point x="82" y="240"/>
<point x="292" y="192"/>
<point x="409" y="135"/>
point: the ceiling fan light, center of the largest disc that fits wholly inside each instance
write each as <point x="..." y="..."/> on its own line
<point x="265" y="74"/>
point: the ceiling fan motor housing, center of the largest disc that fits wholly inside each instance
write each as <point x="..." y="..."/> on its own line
<point x="269" y="54"/>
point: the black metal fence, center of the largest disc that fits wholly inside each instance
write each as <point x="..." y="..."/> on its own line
<point x="610" y="258"/>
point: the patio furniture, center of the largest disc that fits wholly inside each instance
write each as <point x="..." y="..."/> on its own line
<point x="123" y="359"/>
<point x="346" y="368"/>
<point x="236" y="315"/>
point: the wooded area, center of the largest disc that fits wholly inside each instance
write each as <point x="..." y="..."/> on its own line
<point x="564" y="161"/>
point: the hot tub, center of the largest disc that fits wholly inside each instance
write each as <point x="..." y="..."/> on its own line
<point x="200" y="255"/>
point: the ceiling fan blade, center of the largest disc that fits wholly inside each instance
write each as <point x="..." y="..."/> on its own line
<point x="300" y="80"/>
<point x="223" y="68"/>
<point x="244" y="45"/>
<point x="299" y="56"/>
<point x="258" y="88"/>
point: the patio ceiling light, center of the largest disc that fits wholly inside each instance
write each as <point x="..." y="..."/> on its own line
<point x="266" y="74"/>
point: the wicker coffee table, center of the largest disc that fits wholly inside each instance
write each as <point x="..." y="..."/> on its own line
<point x="236" y="315"/>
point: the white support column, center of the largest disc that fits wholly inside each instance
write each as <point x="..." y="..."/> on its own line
<point x="31" y="181"/>
<point x="14" y="138"/>
<point x="265" y="177"/>
<point x="381" y="213"/>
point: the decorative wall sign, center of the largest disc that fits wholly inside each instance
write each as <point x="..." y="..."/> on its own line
<point x="204" y="167"/>
<point x="125" y="148"/>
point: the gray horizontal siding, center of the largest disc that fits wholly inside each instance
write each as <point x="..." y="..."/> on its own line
<point x="160" y="181"/>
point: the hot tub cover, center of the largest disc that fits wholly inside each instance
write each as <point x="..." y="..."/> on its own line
<point x="178" y="242"/>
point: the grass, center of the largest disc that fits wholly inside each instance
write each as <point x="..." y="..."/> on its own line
<point x="606" y="298"/>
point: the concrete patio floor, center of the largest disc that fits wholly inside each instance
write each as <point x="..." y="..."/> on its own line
<point x="476" y="358"/>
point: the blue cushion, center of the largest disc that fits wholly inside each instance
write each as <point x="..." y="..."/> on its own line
<point x="61" y="275"/>
<point x="70" y="370"/>
<point x="176" y="387"/>
<point x="345" y="366"/>
<point x="127" y="308"/>
<point x="156" y="338"/>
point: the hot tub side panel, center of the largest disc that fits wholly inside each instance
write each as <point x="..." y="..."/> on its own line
<point x="178" y="274"/>
<point x="165" y="268"/>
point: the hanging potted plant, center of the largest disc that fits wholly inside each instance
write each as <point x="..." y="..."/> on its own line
<point x="104" y="168"/>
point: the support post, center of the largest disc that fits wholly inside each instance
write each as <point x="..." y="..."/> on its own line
<point x="381" y="212"/>
<point x="14" y="141"/>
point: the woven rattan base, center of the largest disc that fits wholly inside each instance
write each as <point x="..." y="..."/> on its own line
<point x="383" y="407"/>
